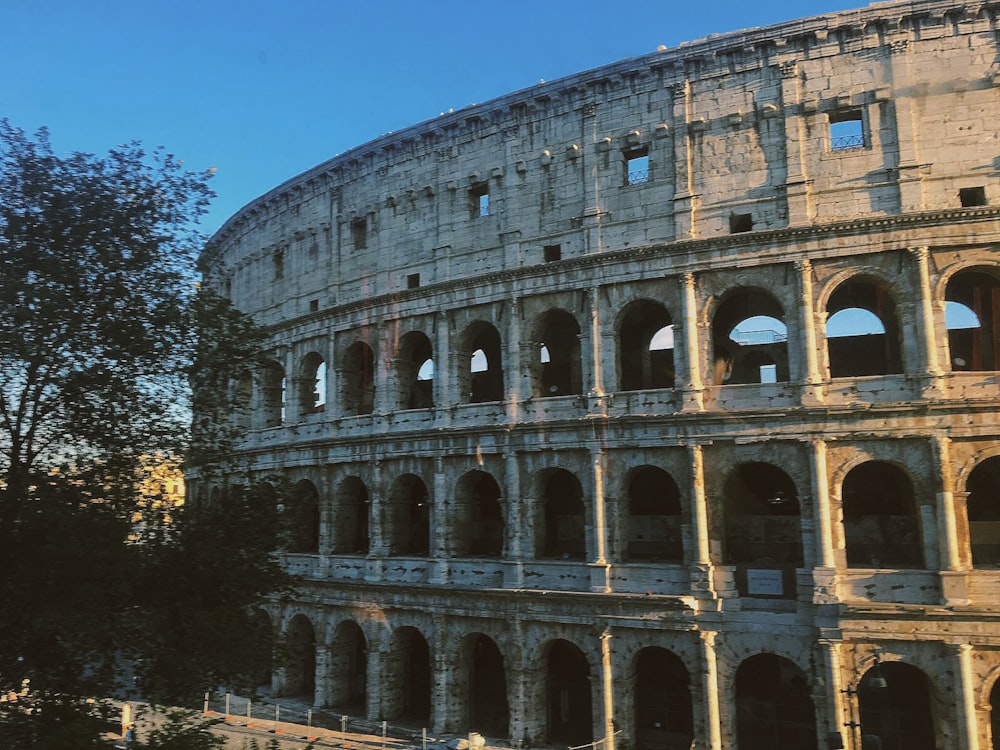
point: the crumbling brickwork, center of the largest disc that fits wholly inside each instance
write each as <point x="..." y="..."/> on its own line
<point x="662" y="398"/>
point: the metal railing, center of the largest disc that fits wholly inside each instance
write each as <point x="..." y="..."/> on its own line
<point x="847" y="142"/>
<point x="638" y="176"/>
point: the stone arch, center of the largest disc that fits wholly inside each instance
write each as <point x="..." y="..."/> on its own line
<point x="872" y="352"/>
<point x="415" y="372"/>
<point x="993" y="703"/>
<point x="982" y="505"/>
<point x="349" y="668"/>
<point x="645" y="346"/>
<point x="975" y="347"/>
<point x="663" y="709"/>
<point x="894" y="705"/>
<point x="300" y="518"/>
<point x="774" y="707"/>
<point x="556" y="366"/>
<point x="300" y="665"/>
<point x="479" y="518"/>
<point x="407" y="676"/>
<point x="271" y="378"/>
<point x="482" y="678"/>
<point x="762" y="519"/>
<point x="310" y="384"/>
<point x="562" y="532"/>
<point x="357" y="379"/>
<point x="408" y="516"/>
<point x="480" y="364"/>
<point x="749" y="338"/>
<point x="350" y="523"/>
<point x="568" y="700"/>
<point x="654" y="515"/>
<point x="881" y="523"/>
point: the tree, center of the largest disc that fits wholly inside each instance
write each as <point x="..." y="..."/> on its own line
<point x="102" y="333"/>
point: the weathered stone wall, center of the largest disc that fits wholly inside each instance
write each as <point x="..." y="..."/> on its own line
<point x="815" y="496"/>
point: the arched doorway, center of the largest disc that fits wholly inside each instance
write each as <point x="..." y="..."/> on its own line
<point x="558" y="370"/>
<point x="300" y="518"/>
<point x="485" y="683"/>
<point x="300" y="669"/>
<point x="407" y="677"/>
<point x="569" y="717"/>
<point x="862" y="330"/>
<point x="983" y="507"/>
<point x="479" y="517"/>
<point x="894" y="703"/>
<point x="664" y="718"/>
<point x="654" y="516"/>
<point x="750" y="339"/>
<point x="774" y="708"/>
<point x="480" y="362"/>
<point x="881" y="525"/>
<point x="350" y="520"/>
<point x="349" y="669"/>
<point x="563" y="535"/>
<point x="409" y="516"/>
<point x="973" y="320"/>
<point x="646" y="347"/>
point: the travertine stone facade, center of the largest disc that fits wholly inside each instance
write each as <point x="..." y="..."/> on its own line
<point x="660" y="399"/>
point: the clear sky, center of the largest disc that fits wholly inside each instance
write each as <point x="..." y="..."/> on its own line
<point x="263" y="90"/>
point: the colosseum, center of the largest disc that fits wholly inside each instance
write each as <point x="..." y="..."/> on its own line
<point x="655" y="407"/>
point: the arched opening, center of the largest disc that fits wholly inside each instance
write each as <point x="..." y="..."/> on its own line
<point x="881" y="526"/>
<point x="563" y="533"/>
<point x="272" y="394"/>
<point x="894" y="703"/>
<point x="973" y="320"/>
<point x="358" y="379"/>
<point x="557" y="370"/>
<point x="350" y="519"/>
<point x="750" y="339"/>
<point x="654" y="516"/>
<point x="349" y="669"/>
<point x="645" y="347"/>
<point x="774" y="708"/>
<point x="407" y="677"/>
<point x="664" y="717"/>
<point x="409" y="516"/>
<point x="484" y="681"/>
<point x="300" y="670"/>
<point x="568" y="705"/>
<point x="763" y="529"/>
<point x="243" y="400"/>
<point x="312" y="384"/>
<point x="983" y="507"/>
<point x="995" y="716"/>
<point x="415" y="372"/>
<point x="478" y="516"/>
<point x="300" y="518"/>
<point x="480" y="364"/>
<point x="857" y="345"/>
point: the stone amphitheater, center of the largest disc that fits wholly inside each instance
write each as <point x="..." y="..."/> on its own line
<point x="654" y="407"/>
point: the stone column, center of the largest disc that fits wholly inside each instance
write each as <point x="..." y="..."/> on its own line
<point x="712" y="717"/>
<point x="442" y="524"/>
<point x="596" y="364"/>
<point x="812" y="390"/>
<point x="516" y="526"/>
<point x="690" y="364"/>
<point x="825" y="573"/>
<point x="378" y="542"/>
<point x="332" y="408"/>
<point x="685" y="199"/>
<point x="324" y="680"/>
<point x="954" y="571"/>
<point x="600" y="576"/>
<point x="444" y="378"/>
<point x="798" y="186"/>
<point x="444" y="704"/>
<point x="702" y="584"/>
<point x="384" y="370"/>
<point x="376" y="689"/>
<point x="832" y="694"/>
<point x="517" y="380"/>
<point x="965" y="697"/>
<point x="925" y="323"/>
<point x="607" y="681"/>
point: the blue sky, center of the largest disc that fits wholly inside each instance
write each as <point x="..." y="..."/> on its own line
<point x="265" y="90"/>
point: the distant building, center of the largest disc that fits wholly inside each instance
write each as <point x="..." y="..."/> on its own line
<point x="662" y="398"/>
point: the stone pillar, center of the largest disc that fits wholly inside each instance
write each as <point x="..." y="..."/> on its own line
<point x="954" y="570"/>
<point x="690" y="362"/>
<point x="607" y="682"/>
<point x="324" y="680"/>
<point x="832" y="695"/>
<point x="442" y="524"/>
<point x="444" y="378"/>
<point x="702" y="584"/>
<point x="384" y="370"/>
<point x="516" y="525"/>
<point x="600" y="575"/>
<point x="911" y="194"/>
<point x="965" y="697"/>
<point x="596" y="363"/>
<point x="444" y="704"/>
<point x="798" y="186"/>
<point x="925" y="324"/>
<point x="825" y="572"/>
<point x="515" y="376"/>
<point x="378" y="542"/>
<point x="685" y="199"/>
<point x="332" y="409"/>
<point x="290" y="401"/>
<point x="377" y="690"/>
<point x="710" y="699"/>
<point x="812" y="390"/>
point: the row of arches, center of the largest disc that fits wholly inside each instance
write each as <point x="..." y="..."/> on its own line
<point x="771" y="699"/>
<point x="749" y="331"/>
<point x="758" y="518"/>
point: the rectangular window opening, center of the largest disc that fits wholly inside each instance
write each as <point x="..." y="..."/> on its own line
<point x="972" y="196"/>
<point x="412" y="280"/>
<point x="637" y="166"/>
<point x="479" y="200"/>
<point x="552" y="253"/>
<point x="740" y="223"/>
<point x="359" y="234"/>
<point x="847" y="130"/>
<point x="314" y="305"/>
<point x="279" y="265"/>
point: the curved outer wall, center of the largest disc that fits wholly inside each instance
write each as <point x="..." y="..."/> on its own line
<point x="841" y="162"/>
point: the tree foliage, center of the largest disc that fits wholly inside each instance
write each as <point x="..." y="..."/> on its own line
<point x="103" y="332"/>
